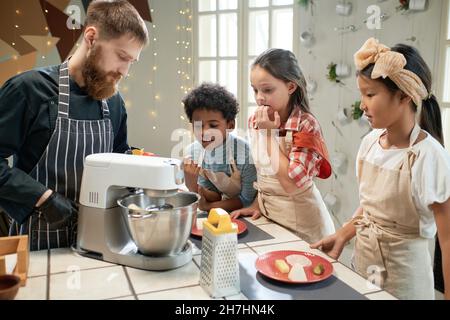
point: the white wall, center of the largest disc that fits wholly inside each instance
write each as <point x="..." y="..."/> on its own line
<point x="164" y="112"/>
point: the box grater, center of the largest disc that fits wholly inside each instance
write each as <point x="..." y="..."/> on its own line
<point x="219" y="268"/>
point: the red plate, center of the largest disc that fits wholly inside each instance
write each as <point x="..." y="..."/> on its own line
<point x="241" y="228"/>
<point x="265" y="264"/>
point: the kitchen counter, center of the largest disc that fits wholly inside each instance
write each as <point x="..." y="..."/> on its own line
<point x="60" y="274"/>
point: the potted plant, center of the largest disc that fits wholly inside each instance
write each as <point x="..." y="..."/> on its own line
<point x="404" y="5"/>
<point x="356" y="110"/>
<point x="332" y="75"/>
<point x="304" y="3"/>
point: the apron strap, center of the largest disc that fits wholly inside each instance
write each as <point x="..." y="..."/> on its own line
<point x="64" y="90"/>
<point x="105" y="109"/>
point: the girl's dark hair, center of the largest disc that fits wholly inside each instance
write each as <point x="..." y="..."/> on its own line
<point x="211" y="96"/>
<point x="430" y="116"/>
<point x="283" y="65"/>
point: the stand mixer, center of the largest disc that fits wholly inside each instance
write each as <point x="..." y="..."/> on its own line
<point x="107" y="229"/>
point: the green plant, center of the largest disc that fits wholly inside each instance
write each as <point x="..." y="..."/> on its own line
<point x="356" y="110"/>
<point x="303" y="3"/>
<point x="404" y="5"/>
<point x="332" y="76"/>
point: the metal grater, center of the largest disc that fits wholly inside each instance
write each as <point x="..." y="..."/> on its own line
<point x="219" y="268"/>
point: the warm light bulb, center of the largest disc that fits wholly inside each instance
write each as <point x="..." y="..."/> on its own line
<point x="154" y="68"/>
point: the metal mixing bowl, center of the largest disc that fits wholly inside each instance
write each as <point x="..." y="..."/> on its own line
<point x="163" y="224"/>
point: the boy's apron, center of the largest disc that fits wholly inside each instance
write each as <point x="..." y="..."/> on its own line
<point x="61" y="166"/>
<point x="389" y="250"/>
<point x="302" y="211"/>
<point x="229" y="186"/>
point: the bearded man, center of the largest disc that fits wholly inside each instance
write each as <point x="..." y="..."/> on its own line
<point x="51" y="118"/>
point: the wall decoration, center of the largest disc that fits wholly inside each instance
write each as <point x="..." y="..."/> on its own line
<point x="16" y="65"/>
<point x="307" y="39"/>
<point x="343" y="115"/>
<point x="311" y="86"/>
<point x="403" y="6"/>
<point x="338" y="160"/>
<point x="357" y="113"/>
<point x="332" y="76"/>
<point x="342" y="70"/>
<point x="304" y="3"/>
<point x="344" y="8"/>
<point x="412" y="5"/>
<point x="307" y="4"/>
<point x="330" y="200"/>
<point x="417" y="5"/>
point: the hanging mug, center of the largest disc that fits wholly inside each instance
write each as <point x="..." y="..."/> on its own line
<point x="338" y="160"/>
<point x="330" y="200"/>
<point x="342" y="70"/>
<point x="307" y="39"/>
<point x="417" y="5"/>
<point x="344" y="9"/>
<point x="342" y="116"/>
<point x="311" y="86"/>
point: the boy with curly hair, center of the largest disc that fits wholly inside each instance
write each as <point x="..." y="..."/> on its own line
<point x="219" y="165"/>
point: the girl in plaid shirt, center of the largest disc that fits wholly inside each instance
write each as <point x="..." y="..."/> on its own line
<point x="288" y="149"/>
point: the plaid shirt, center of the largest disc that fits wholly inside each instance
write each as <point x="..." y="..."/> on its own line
<point x="304" y="164"/>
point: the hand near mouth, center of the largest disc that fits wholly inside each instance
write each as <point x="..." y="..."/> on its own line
<point x="263" y="119"/>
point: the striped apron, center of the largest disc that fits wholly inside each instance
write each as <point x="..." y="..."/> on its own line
<point x="60" y="167"/>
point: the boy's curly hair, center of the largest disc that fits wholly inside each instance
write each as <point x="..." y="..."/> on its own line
<point x="213" y="97"/>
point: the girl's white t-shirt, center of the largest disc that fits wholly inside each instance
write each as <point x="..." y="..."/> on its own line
<point x="430" y="182"/>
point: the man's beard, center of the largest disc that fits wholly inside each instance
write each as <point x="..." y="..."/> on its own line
<point x="98" y="83"/>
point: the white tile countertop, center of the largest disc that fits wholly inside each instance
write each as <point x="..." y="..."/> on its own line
<point x="61" y="274"/>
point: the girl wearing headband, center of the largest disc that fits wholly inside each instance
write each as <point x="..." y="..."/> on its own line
<point x="403" y="174"/>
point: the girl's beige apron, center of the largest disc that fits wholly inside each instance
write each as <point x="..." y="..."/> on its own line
<point x="303" y="211"/>
<point x="389" y="250"/>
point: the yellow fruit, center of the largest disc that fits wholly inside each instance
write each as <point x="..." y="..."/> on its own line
<point x="319" y="269"/>
<point x="282" y="266"/>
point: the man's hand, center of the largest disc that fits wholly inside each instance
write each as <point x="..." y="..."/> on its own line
<point x="57" y="209"/>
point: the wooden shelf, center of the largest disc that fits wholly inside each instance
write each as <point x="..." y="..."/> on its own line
<point x="15" y="245"/>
